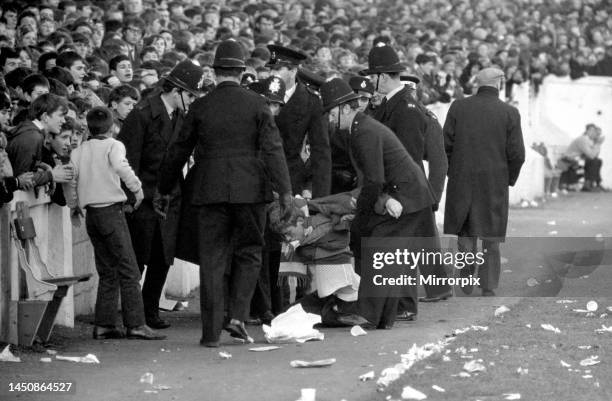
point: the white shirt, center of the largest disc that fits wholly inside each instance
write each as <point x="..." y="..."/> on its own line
<point x="389" y="95"/>
<point x="289" y="93"/>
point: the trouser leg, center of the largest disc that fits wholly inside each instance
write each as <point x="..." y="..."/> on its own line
<point x="157" y="272"/>
<point x="214" y="247"/>
<point x="489" y="272"/>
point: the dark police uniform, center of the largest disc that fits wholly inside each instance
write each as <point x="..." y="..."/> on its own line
<point x="147" y="132"/>
<point x="238" y="151"/>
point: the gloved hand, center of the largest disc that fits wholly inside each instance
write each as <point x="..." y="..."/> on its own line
<point x="161" y="204"/>
<point x="435" y="207"/>
<point x="286" y="205"/>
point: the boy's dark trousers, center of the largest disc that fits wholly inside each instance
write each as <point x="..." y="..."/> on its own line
<point x="116" y="266"/>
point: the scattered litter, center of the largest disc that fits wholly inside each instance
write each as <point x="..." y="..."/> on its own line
<point x="473" y="349"/>
<point x="389" y="375"/>
<point x="507" y="271"/>
<point x="599" y="237"/>
<point x="585" y="347"/>
<point x="225" y="355"/>
<point x="551" y="223"/>
<point x="504" y="260"/>
<point x="382" y="353"/>
<point x="265" y="348"/>
<point x="51" y="352"/>
<point x="501" y="310"/>
<point x="593" y="360"/>
<point x="367" y="376"/>
<point x="308" y="394"/>
<point x="480" y="328"/>
<point x="45" y="360"/>
<point x="528" y="325"/>
<point x="505" y="346"/>
<point x="408" y="393"/>
<point x="512" y="396"/>
<point x="522" y="371"/>
<point x="147" y="378"/>
<point x="533" y="203"/>
<point x="609" y="308"/>
<point x="590" y="314"/>
<point x="585" y="276"/>
<point x="438" y="388"/>
<point x="566" y="301"/>
<point x="295" y="325"/>
<point x="446" y="358"/>
<point x="604" y="329"/>
<point x="461" y="350"/>
<point x="461" y="331"/>
<point x="7" y="355"/>
<point x="314" y="364"/>
<point x="592" y="306"/>
<point x="532" y="282"/>
<point x="491" y="363"/>
<point x="464" y="374"/>
<point x="357" y="331"/>
<point x="162" y="387"/>
<point x="580" y="310"/>
<point x="474" y="366"/>
<point x="587" y="376"/>
<point x="550" y="327"/>
<point x="151" y="391"/>
<point x="587" y="371"/>
<point x="548" y="281"/>
<point x="89" y="358"/>
<point x="603" y="316"/>
<point x="554" y="232"/>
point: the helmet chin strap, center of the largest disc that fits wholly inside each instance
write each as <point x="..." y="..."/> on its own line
<point x="182" y="100"/>
<point x="338" y="127"/>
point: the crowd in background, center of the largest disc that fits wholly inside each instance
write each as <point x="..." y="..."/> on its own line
<point x="113" y="53"/>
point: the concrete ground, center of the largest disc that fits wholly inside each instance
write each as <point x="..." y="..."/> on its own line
<point x="195" y="373"/>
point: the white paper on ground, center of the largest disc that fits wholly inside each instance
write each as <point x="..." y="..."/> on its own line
<point x="409" y="393"/>
<point x="295" y="325"/>
<point x="89" y="358"/>
<point x="501" y="310"/>
<point x="7" y="355"/>
<point x="358" y="331"/>
<point x="312" y="364"/>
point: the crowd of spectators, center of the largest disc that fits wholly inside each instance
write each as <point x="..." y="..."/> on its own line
<point x="113" y="53"/>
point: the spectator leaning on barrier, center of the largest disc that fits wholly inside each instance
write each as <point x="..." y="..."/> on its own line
<point x="100" y="166"/>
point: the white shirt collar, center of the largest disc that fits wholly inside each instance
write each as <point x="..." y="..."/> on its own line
<point x="169" y="109"/>
<point x="393" y="92"/>
<point x="289" y="93"/>
<point x="38" y="125"/>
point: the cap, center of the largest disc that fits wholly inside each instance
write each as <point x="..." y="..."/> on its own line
<point x="188" y="76"/>
<point x="280" y="55"/>
<point x="410" y="78"/>
<point x="310" y="79"/>
<point x="272" y="88"/>
<point x="489" y="76"/>
<point x="336" y="92"/>
<point x="424" y="59"/>
<point x="229" y="54"/>
<point x="361" y="84"/>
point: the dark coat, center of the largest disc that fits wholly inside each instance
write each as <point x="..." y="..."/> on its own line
<point x="238" y="157"/>
<point x="407" y="122"/>
<point x="301" y="116"/>
<point x="8" y="185"/>
<point x="484" y="144"/>
<point x="24" y="148"/>
<point x="147" y="134"/>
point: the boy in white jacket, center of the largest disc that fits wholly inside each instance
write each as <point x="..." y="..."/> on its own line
<point x="99" y="166"/>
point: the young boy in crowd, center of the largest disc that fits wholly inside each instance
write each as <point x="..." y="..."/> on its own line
<point x="122" y="100"/>
<point x="100" y="165"/>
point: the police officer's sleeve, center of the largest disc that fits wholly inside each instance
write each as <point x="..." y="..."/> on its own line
<point x="132" y="135"/>
<point x="515" y="149"/>
<point x="320" y="151"/>
<point x="178" y="153"/>
<point x="449" y="131"/>
<point x="272" y="152"/>
<point x="367" y="152"/>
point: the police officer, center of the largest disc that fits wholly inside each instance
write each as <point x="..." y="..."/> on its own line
<point x="300" y="118"/>
<point x="237" y="147"/>
<point x="400" y="113"/>
<point x="148" y="131"/>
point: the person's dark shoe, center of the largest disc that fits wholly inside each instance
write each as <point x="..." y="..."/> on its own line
<point x="438" y="298"/>
<point x="210" y="344"/>
<point x="157" y="323"/>
<point x="488" y="293"/>
<point x="351" y="319"/>
<point x="267" y="317"/>
<point x="143" y="332"/>
<point x="106" y="333"/>
<point x="466" y="272"/>
<point x="236" y="329"/>
<point x="406" y="316"/>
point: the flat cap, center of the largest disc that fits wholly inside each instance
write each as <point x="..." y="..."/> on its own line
<point x="489" y="76"/>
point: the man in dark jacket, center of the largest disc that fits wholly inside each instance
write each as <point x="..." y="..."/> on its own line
<point x="238" y="151"/>
<point x="484" y="144"/>
<point x="148" y="132"/>
<point x="300" y="118"/>
<point x="401" y="114"/>
<point x="390" y="177"/>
